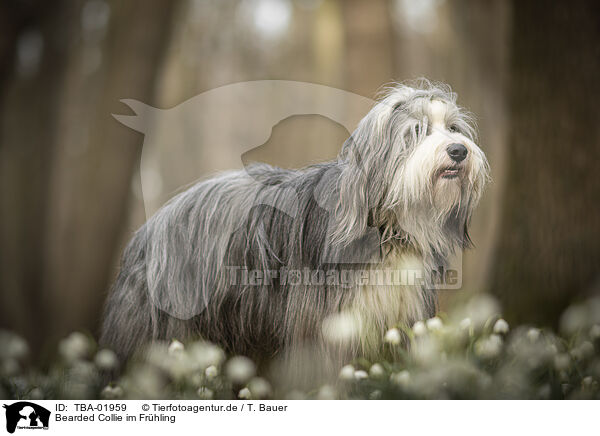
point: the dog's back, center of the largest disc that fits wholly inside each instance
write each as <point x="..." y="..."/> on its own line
<point x="197" y="269"/>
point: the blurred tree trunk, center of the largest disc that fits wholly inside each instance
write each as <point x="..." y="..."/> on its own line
<point x="66" y="164"/>
<point x="368" y="46"/>
<point x="548" y="247"/>
<point x="478" y="70"/>
<point x="27" y="124"/>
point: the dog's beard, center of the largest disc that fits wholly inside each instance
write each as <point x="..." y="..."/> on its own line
<point x="447" y="197"/>
<point x="429" y="189"/>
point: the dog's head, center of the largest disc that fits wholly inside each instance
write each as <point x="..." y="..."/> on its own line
<point x="417" y="156"/>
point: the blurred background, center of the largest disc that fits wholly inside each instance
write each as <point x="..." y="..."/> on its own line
<point x="70" y="175"/>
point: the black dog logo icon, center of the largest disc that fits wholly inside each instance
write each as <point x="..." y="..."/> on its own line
<point x="28" y="415"/>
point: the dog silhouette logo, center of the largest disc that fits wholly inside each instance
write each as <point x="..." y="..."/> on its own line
<point x="214" y="130"/>
<point x="26" y="415"/>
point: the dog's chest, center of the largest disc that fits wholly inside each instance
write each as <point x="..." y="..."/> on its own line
<point x="391" y="295"/>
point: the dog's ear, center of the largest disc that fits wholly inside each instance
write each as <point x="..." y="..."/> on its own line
<point x="352" y="209"/>
<point x="467" y="242"/>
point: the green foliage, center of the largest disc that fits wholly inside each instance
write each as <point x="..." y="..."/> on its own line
<point x="468" y="353"/>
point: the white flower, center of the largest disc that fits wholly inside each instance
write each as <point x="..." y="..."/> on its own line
<point x="376" y="395"/>
<point x="83" y="371"/>
<point x="419" y="328"/>
<point x="583" y="351"/>
<point x="401" y="378"/>
<point x="13" y="346"/>
<point x="74" y="347"/>
<point x="434" y="323"/>
<point x="465" y="324"/>
<point x="587" y="349"/>
<point x="259" y="387"/>
<point x="9" y="367"/>
<point x="211" y="371"/>
<point x="176" y="348"/>
<point x="501" y="327"/>
<point x="533" y="334"/>
<point x="376" y="370"/>
<point x="347" y="372"/>
<point x="326" y="393"/>
<point x="360" y="375"/>
<point x="479" y="310"/>
<point x="111" y="393"/>
<point x="240" y="369"/>
<point x="205" y="393"/>
<point x="574" y="318"/>
<point x="206" y="354"/>
<point x="595" y="331"/>
<point x="36" y="394"/>
<point x="393" y="336"/>
<point x="488" y="348"/>
<point x="587" y="381"/>
<point x="106" y="359"/>
<point x="427" y="351"/>
<point x="245" y="394"/>
<point x="171" y="359"/>
<point x="146" y="382"/>
<point x="341" y="327"/>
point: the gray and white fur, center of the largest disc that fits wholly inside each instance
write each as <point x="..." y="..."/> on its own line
<point x="400" y="194"/>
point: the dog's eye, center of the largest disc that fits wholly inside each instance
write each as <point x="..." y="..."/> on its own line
<point x="453" y="128"/>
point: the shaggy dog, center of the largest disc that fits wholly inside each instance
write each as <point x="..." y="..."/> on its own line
<point x="268" y="261"/>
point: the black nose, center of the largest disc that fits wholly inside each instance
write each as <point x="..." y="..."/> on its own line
<point x="457" y="152"/>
